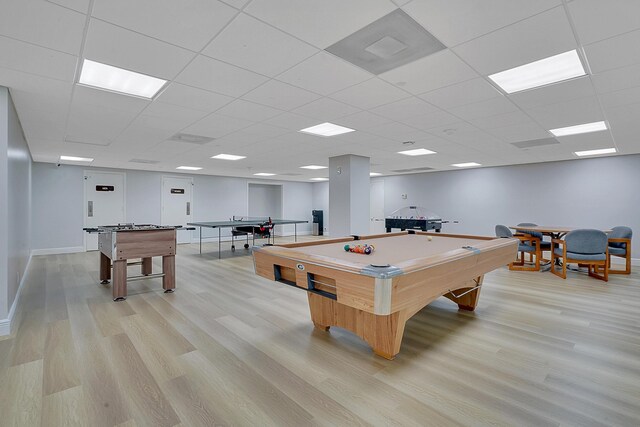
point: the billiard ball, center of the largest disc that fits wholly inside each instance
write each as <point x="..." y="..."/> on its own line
<point x="429" y="238"/>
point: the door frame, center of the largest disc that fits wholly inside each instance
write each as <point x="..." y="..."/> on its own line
<point x="190" y="178"/>
<point x="84" y="198"/>
<point x="281" y="185"/>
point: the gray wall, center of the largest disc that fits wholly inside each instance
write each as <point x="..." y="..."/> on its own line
<point x="58" y="199"/>
<point x="600" y="193"/>
<point x="265" y="200"/>
<point x="15" y="203"/>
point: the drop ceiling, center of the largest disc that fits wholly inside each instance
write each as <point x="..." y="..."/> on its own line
<point x="250" y="74"/>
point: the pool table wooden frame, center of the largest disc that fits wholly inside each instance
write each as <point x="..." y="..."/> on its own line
<point x="375" y="303"/>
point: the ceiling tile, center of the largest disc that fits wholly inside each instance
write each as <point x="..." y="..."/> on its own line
<point x="615" y="52"/>
<point x="280" y="95"/>
<point x="467" y="92"/>
<point x="454" y="22"/>
<point x="504" y="49"/>
<point x="180" y="116"/>
<point x="519" y="132"/>
<point x="28" y="58"/>
<point x="405" y="108"/>
<point x="191" y="97"/>
<point x="292" y="121"/>
<point x="618" y="79"/>
<point x="246" y="110"/>
<point x="583" y="110"/>
<point x="552" y="94"/>
<point x="126" y="49"/>
<point x="441" y="69"/>
<point x="431" y="120"/>
<point x="325" y="109"/>
<point x="488" y="108"/>
<point x="190" y="24"/>
<point x="255" y="46"/>
<point x="369" y="94"/>
<point x="596" y="20"/>
<point x="398" y="132"/>
<point x="620" y="98"/>
<point x="209" y="74"/>
<point x="513" y="118"/>
<point x="324" y="73"/>
<point x="44" y="24"/>
<point x="319" y="23"/>
<point x="216" y="126"/>
<point x="362" y="120"/>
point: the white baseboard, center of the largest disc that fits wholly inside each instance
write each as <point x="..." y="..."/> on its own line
<point x="56" y="251"/>
<point x="6" y="324"/>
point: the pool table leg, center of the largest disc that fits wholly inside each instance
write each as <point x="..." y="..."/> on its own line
<point x="146" y="267"/>
<point x="382" y="333"/>
<point x="105" y="269"/>
<point x="468" y="301"/>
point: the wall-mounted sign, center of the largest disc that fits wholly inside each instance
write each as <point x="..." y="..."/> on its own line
<point x="177" y="191"/>
<point x="105" y="188"/>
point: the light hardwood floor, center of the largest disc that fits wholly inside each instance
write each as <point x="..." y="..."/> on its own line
<point x="230" y="348"/>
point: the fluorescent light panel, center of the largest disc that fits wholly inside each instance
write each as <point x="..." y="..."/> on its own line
<point x="546" y="71"/>
<point x="417" y="152"/>
<point x="327" y="129"/>
<point x="466" y="165"/>
<point x="228" y="157"/>
<point x="189" y="168"/>
<point x="595" y="152"/>
<point x="76" y="159"/>
<point x="313" y="167"/>
<point x="107" y="77"/>
<point x="319" y="179"/>
<point x="578" y="129"/>
<point x="264" y="174"/>
<point x="375" y="174"/>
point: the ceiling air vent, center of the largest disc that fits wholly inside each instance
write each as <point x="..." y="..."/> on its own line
<point x="391" y="41"/>
<point x="146" y="162"/>
<point x="412" y="170"/>
<point x="535" y="143"/>
<point x="191" y="139"/>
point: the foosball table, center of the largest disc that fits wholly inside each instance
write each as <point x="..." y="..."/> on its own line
<point x="119" y="243"/>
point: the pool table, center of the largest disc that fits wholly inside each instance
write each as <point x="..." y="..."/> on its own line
<point x="374" y="295"/>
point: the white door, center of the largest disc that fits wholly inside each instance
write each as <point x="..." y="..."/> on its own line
<point x="104" y="196"/>
<point x="376" y="201"/>
<point x="177" y="204"/>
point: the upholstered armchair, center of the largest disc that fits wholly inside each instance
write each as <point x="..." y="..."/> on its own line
<point x="545" y="245"/>
<point x="620" y="246"/>
<point x="584" y="247"/>
<point x="528" y="244"/>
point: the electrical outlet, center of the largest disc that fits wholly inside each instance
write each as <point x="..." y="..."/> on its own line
<point x="404" y="197"/>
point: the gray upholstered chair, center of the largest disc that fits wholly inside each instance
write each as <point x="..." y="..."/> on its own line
<point x="528" y="244"/>
<point x="620" y="246"/>
<point x="545" y="245"/>
<point x="584" y="247"/>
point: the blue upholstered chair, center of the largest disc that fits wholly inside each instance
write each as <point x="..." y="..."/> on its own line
<point x="528" y="244"/>
<point x="584" y="247"/>
<point x="620" y="246"/>
<point x="545" y="245"/>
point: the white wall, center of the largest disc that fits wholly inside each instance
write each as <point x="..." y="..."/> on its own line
<point x="58" y="200"/>
<point x="599" y="193"/>
<point x="15" y="207"/>
<point x="265" y="200"/>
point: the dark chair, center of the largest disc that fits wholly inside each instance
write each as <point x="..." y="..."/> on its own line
<point x="584" y="247"/>
<point x="528" y="244"/>
<point x="620" y="246"/>
<point x="545" y="245"/>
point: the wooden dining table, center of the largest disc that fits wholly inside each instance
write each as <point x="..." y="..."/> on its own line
<point x="555" y="232"/>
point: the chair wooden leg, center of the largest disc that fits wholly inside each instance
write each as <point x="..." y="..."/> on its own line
<point x="627" y="269"/>
<point x="593" y="271"/>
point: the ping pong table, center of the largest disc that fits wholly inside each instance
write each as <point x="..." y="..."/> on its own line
<point x="246" y="226"/>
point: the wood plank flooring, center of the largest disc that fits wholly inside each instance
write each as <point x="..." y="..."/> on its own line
<point x="230" y="348"/>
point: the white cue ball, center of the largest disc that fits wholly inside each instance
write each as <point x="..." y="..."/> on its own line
<point x="429" y="238"/>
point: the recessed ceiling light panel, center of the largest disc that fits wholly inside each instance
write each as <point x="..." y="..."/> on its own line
<point x="75" y="159"/>
<point x="375" y="174"/>
<point x="114" y="79"/>
<point x="327" y="129"/>
<point x="578" y="129"/>
<point x="189" y="168"/>
<point x="417" y="152"/>
<point x="466" y="165"/>
<point x="313" y="167"/>
<point x="264" y="174"/>
<point x="544" y="72"/>
<point x="596" y="152"/>
<point x="228" y="157"/>
<point x="319" y="179"/>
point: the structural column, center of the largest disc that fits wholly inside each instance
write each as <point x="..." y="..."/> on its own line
<point x="348" y="195"/>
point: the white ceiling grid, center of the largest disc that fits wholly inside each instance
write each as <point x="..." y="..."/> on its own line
<point x="253" y="73"/>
